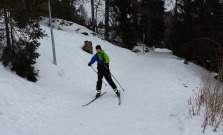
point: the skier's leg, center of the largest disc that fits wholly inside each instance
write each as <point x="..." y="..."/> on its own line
<point x="99" y="82"/>
<point x="108" y="77"/>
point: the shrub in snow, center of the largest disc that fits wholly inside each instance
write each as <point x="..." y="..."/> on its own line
<point x="209" y="100"/>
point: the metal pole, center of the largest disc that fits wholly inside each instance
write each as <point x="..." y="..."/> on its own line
<point x="52" y="37"/>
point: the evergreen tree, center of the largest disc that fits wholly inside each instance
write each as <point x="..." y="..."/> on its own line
<point x="63" y="9"/>
<point x="197" y="29"/>
<point x="152" y="22"/>
<point x="123" y="23"/>
<point x="21" y="33"/>
<point x="132" y="18"/>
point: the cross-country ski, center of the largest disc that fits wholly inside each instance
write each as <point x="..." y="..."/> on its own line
<point x="93" y="99"/>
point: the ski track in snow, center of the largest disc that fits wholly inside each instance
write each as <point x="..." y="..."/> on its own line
<point x="154" y="101"/>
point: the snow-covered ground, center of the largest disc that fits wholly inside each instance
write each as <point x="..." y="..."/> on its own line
<point x="157" y="88"/>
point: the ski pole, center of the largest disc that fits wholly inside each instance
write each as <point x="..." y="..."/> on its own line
<point x="114" y="77"/>
<point x="97" y="73"/>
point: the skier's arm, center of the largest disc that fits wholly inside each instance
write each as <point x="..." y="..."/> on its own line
<point x="93" y="59"/>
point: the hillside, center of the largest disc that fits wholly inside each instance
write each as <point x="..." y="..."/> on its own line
<point x="157" y="87"/>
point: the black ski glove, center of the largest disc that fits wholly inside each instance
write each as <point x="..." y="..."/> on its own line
<point x="103" y="60"/>
<point x="89" y="64"/>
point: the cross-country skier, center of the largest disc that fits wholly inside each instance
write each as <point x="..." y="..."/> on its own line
<point x="103" y="70"/>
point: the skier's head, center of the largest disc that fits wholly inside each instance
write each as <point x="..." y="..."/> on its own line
<point x="98" y="48"/>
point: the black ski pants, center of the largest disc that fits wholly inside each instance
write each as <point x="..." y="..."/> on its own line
<point x="104" y="72"/>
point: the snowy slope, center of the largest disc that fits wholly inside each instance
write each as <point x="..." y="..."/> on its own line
<point x="154" y="103"/>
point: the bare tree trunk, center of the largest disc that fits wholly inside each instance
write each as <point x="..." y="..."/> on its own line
<point x="7" y="26"/>
<point x="174" y="19"/>
<point x="106" y="19"/>
<point x="12" y="38"/>
<point x="92" y="13"/>
<point x="148" y="34"/>
<point x="176" y="7"/>
<point x="148" y="15"/>
<point x="135" y="27"/>
<point x="96" y="19"/>
<point x="23" y="4"/>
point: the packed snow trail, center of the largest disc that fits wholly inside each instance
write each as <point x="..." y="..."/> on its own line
<point x="157" y="87"/>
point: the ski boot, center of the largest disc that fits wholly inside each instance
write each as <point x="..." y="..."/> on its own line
<point x="98" y="93"/>
<point x="117" y="92"/>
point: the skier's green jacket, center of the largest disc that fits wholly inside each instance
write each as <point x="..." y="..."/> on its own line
<point x="100" y="56"/>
